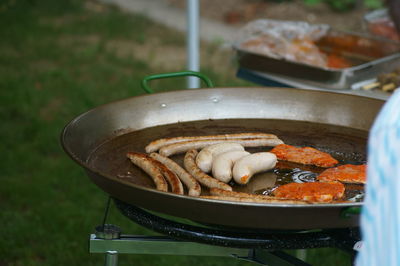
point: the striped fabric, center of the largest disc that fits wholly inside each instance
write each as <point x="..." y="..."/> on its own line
<point x="380" y="218"/>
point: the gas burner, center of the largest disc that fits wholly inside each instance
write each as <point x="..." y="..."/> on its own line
<point x="256" y="245"/>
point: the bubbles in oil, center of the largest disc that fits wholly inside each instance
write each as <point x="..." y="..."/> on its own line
<point x="127" y="174"/>
<point x="354" y="192"/>
<point x="357" y="197"/>
<point x="294" y="175"/>
<point x="267" y="191"/>
<point x="300" y="176"/>
<point x="285" y="176"/>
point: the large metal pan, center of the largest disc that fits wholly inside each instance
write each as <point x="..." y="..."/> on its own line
<point x="339" y="123"/>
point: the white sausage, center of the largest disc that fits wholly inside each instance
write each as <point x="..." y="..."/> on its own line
<point x="184" y="146"/>
<point x="205" y="157"/>
<point x="194" y="188"/>
<point x="146" y="164"/>
<point x="223" y="163"/>
<point x="251" y="164"/>
<point x="208" y="181"/>
<point x="157" y="144"/>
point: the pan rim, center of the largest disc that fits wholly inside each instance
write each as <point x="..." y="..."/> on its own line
<point x="87" y="166"/>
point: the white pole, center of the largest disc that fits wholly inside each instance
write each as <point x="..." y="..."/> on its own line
<point x="193" y="41"/>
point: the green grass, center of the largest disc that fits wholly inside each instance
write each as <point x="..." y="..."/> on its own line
<point x="55" y="63"/>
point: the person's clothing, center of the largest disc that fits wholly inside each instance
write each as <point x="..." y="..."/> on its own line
<point x="380" y="217"/>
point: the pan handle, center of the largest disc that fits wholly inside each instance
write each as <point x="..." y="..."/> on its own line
<point x="145" y="81"/>
<point x="350" y="211"/>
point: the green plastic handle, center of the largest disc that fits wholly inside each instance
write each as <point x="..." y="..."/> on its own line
<point x="147" y="89"/>
<point x="350" y="211"/>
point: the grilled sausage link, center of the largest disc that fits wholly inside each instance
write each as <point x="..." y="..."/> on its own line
<point x="203" y="178"/>
<point x="217" y="192"/>
<point x="184" y="146"/>
<point x="147" y="164"/>
<point x="194" y="188"/>
<point x="253" y="200"/>
<point x="157" y="144"/>
<point x="174" y="182"/>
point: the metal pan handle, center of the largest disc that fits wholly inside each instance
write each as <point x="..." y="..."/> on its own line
<point x="201" y="76"/>
<point x="350" y="211"/>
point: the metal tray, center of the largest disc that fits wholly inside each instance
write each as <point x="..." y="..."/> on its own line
<point x="382" y="60"/>
<point x="380" y="24"/>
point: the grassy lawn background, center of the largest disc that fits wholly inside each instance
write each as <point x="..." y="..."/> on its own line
<point x="57" y="60"/>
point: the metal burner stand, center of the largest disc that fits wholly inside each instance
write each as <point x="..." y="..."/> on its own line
<point x="258" y="246"/>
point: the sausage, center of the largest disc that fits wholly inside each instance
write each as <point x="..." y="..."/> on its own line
<point x="226" y="193"/>
<point x="204" y="159"/>
<point x="251" y="164"/>
<point x="194" y="188"/>
<point x="184" y="146"/>
<point x="203" y="178"/>
<point x="174" y="182"/>
<point x="254" y="200"/>
<point x="157" y="144"/>
<point x="147" y="164"/>
<point x="223" y="163"/>
<point x="221" y="192"/>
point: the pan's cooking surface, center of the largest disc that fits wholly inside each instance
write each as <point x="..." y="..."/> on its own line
<point x="345" y="144"/>
<point x="335" y="125"/>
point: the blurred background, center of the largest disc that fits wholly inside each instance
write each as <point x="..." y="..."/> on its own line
<point x="61" y="58"/>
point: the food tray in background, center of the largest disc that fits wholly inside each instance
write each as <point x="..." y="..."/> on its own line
<point x="387" y="82"/>
<point x="379" y="23"/>
<point x="357" y="57"/>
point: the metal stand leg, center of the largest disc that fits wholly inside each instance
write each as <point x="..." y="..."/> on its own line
<point x="111" y="258"/>
<point x="160" y="245"/>
<point x="264" y="257"/>
<point x="108" y="232"/>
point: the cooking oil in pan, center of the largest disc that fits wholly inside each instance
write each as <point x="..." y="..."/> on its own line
<point x="345" y="144"/>
<point x="266" y="183"/>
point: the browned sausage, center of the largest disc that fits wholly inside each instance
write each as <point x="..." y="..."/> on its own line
<point x="184" y="146"/>
<point x="157" y="144"/>
<point x="228" y="194"/>
<point x="194" y="188"/>
<point x="253" y="200"/>
<point x="146" y="163"/>
<point x="203" y="178"/>
<point x="173" y="180"/>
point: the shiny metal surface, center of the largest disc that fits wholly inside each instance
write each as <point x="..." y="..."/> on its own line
<point x="85" y="133"/>
<point x="369" y="57"/>
<point x="334" y="79"/>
